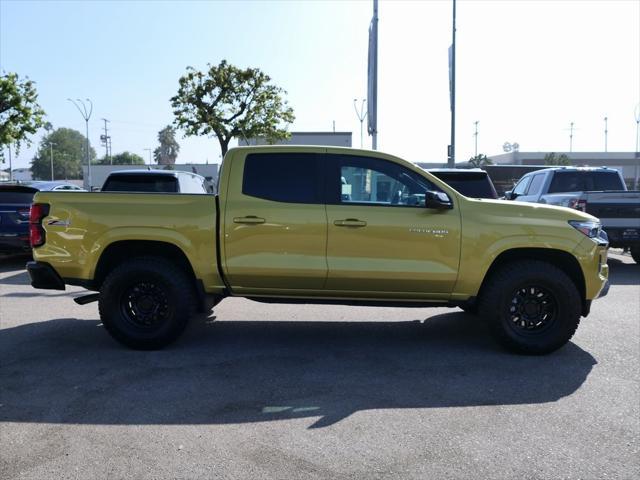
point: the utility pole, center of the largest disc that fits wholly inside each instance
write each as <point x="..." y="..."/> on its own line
<point x="451" y="163"/>
<point x="605" y="133"/>
<point x="372" y="79"/>
<point x="571" y="137"/>
<point x="476" y="135"/>
<point x="106" y="141"/>
<point x="51" y="152"/>
<point x="86" y="115"/>
<point x="361" y="116"/>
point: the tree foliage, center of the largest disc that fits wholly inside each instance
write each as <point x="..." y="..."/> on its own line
<point x="124" y="158"/>
<point x="167" y="152"/>
<point x="68" y="148"/>
<point x="226" y="102"/>
<point x="479" y="161"/>
<point x="20" y="113"/>
<point x="555" y="159"/>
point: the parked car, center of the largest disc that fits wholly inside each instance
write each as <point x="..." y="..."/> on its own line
<point x="472" y="183"/>
<point x="15" y="201"/>
<point x="341" y="226"/>
<point x="154" y="181"/>
<point x="600" y="192"/>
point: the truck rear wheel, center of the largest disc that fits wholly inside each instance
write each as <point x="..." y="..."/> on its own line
<point x="146" y="303"/>
<point x="531" y="306"/>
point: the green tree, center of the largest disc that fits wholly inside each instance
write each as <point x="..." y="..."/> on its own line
<point x="479" y="161"/>
<point x="226" y="102"/>
<point x="124" y="158"/>
<point x="20" y="113"/>
<point x="68" y="155"/>
<point x="167" y="152"/>
<point x="555" y="159"/>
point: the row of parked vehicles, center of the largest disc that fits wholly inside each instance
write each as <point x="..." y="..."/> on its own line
<point x="16" y="198"/>
<point x="600" y="192"/>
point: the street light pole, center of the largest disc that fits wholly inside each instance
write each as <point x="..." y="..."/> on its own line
<point x="605" y="133"/>
<point x="86" y="115"/>
<point x="571" y="138"/>
<point x="476" y="135"/>
<point x="361" y="116"/>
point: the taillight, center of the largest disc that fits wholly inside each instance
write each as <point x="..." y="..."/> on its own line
<point x="36" y="232"/>
<point x="578" y="204"/>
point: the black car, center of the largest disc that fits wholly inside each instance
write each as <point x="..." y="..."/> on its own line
<point x="15" y="202"/>
<point x="472" y="183"/>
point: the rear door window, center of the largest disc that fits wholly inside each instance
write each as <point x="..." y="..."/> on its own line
<point x="289" y="177"/>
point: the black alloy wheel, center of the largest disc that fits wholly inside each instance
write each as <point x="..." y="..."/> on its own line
<point x="533" y="310"/>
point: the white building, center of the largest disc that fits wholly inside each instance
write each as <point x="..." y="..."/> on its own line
<point x="334" y="139"/>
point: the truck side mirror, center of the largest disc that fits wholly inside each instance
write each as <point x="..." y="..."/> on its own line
<point x="437" y="200"/>
<point x="510" y="195"/>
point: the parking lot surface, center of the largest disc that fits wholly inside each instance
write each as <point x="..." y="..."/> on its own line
<point x="281" y="391"/>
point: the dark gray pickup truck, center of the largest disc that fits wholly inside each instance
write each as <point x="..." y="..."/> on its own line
<point x="600" y="192"/>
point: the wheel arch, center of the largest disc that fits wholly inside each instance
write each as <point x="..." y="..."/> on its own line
<point x="559" y="258"/>
<point x="120" y="251"/>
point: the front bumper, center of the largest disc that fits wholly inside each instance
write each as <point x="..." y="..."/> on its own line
<point x="605" y="289"/>
<point x="44" y="276"/>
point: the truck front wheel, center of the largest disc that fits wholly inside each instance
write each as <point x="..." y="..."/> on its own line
<point x="146" y="303"/>
<point x="531" y="306"/>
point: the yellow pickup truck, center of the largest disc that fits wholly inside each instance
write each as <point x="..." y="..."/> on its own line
<point x="298" y="224"/>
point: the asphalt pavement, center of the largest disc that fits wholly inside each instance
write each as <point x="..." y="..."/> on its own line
<point x="281" y="391"/>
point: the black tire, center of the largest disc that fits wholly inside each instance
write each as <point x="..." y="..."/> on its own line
<point x="469" y="308"/>
<point x="146" y="303"/>
<point x="531" y="306"/>
<point x="635" y="254"/>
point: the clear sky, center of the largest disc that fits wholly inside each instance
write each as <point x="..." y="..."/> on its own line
<point x="525" y="69"/>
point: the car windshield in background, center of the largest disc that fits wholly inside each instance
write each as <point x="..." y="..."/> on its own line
<point x="141" y="183"/>
<point x="584" y="181"/>
<point x="470" y="184"/>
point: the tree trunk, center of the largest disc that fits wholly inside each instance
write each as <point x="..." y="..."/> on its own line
<point x="224" y="145"/>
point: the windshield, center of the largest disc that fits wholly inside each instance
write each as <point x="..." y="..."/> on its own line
<point x="583" y="181"/>
<point x="474" y="185"/>
<point x="141" y="183"/>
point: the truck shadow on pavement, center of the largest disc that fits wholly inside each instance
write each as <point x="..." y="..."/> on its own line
<point x="227" y="372"/>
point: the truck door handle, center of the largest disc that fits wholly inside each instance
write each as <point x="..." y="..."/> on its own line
<point x="350" y="222"/>
<point x="251" y="220"/>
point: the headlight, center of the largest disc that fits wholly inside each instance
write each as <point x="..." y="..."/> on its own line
<point x="590" y="229"/>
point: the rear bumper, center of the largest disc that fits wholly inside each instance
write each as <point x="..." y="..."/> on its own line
<point x="623" y="237"/>
<point x="44" y="276"/>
